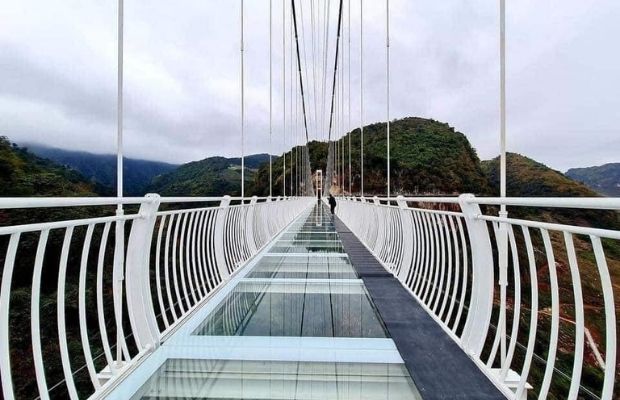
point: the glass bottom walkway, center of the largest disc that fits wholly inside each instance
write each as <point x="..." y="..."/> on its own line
<point x="295" y="323"/>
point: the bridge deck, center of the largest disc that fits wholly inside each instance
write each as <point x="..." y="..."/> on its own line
<point x="297" y="322"/>
<point x="438" y="366"/>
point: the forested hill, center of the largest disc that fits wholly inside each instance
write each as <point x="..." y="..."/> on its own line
<point x="427" y="156"/>
<point x="213" y="176"/>
<point x="101" y="168"/>
<point x="528" y="178"/>
<point x="25" y="174"/>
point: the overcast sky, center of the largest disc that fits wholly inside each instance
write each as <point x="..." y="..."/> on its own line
<point x="182" y="103"/>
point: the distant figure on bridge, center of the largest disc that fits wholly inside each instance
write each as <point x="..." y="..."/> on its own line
<point x="332" y="203"/>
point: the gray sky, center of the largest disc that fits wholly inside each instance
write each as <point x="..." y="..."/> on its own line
<point x="58" y="74"/>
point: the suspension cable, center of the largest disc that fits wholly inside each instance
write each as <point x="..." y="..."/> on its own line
<point x="342" y="121"/>
<point x="119" y="107"/>
<point x="362" y="97"/>
<point x="349" y="92"/>
<point x="387" y="54"/>
<point x="314" y="96"/>
<point x="335" y="70"/>
<point x="284" y="96"/>
<point x="292" y="88"/>
<point x="301" y="82"/>
<point x="242" y="111"/>
<point x="270" y="95"/>
<point x="326" y="12"/>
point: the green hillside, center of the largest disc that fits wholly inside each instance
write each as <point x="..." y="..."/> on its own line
<point x="528" y="178"/>
<point x="213" y="176"/>
<point x="427" y="156"/>
<point x="24" y="174"/>
<point x="101" y="168"/>
<point x="604" y="179"/>
<point x="318" y="159"/>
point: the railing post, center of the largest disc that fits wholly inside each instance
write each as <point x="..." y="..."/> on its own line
<point x="220" y="231"/>
<point x="481" y="303"/>
<point x="137" y="276"/>
<point x="249" y="226"/>
<point x="407" y="238"/>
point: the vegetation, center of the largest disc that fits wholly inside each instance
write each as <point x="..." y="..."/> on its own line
<point x="213" y="176"/>
<point x="427" y="156"/>
<point x="318" y="158"/>
<point x="100" y="169"/>
<point x="604" y="179"/>
<point x="24" y="174"/>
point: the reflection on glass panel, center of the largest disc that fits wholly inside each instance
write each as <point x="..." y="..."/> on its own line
<point x="267" y="308"/>
<point x="314" y="267"/>
<point x="233" y="379"/>
<point x="307" y="247"/>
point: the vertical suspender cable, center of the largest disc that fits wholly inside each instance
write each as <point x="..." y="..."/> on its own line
<point x="502" y="83"/>
<point x="301" y="82"/>
<point x="331" y="114"/>
<point x="327" y="9"/>
<point x="270" y="95"/>
<point x="292" y="123"/>
<point x="349" y="91"/>
<point x="342" y="121"/>
<point x="284" y="96"/>
<point x="119" y="245"/>
<point x="242" y="112"/>
<point x="503" y="248"/>
<point x="119" y="106"/>
<point x="387" y="54"/>
<point x="362" y="97"/>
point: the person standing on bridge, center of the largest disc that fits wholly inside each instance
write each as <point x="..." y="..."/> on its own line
<point x="332" y="203"/>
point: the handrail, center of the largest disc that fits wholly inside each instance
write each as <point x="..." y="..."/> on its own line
<point x="41" y="202"/>
<point x="596" y="203"/>
<point x="527" y="278"/>
<point x="140" y="273"/>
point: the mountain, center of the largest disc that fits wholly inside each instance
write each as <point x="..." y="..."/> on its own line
<point x="318" y="160"/>
<point x="22" y="173"/>
<point x="101" y="168"/>
<point x="427" y="156"/>
<point x="528" y="178"/>
<point x="604" y="179"/>
<point x="213" y="176"/>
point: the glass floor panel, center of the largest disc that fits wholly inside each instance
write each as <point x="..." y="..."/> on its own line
<point x="324" y="247"/>
<point x="303" y="268"/>
<point x="231" y="379"/>
<point x="295" y="308"/>
<point x="312" y="228"/>
<point x="310" y="236"/>
<point x="296" y="324"/>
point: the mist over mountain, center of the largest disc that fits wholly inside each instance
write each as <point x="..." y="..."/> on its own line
<point x="101" y="168"/>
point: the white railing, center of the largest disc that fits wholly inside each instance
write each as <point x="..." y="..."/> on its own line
<point x="509" y="291"/>
<point x="100" y="289"/>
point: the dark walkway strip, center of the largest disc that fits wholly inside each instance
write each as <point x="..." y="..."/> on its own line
<point x="439" y="367"/>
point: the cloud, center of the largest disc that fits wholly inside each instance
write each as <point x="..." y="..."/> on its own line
<point x="58" y="68"/>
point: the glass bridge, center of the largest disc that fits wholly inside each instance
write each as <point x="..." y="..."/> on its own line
<point x="294" y="323"/>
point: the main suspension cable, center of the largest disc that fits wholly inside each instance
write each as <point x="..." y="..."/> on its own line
<point x="331" y="114"/>
<point x="301" y="82"/>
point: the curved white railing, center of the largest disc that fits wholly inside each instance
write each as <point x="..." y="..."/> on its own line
<point x="98" y="304"/>
<point x="509" y="291"/>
